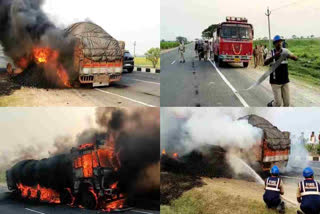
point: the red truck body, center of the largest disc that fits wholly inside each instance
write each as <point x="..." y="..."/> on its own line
<point x="233" y="41"/>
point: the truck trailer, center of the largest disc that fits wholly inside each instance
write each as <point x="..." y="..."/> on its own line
<point x="274" y="147"/>
<point x="87" y="177"/>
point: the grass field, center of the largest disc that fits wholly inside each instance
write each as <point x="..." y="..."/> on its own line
<point x="143" y="62"/>
<point x="195" y="202"/>
<point x="307" y="68"/>
<point x="2" y="176"/>
<point x="168" y="45"/>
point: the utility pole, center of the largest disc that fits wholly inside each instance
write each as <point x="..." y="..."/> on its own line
<point x="134" y="48"/>
<point x="268" y="14"/>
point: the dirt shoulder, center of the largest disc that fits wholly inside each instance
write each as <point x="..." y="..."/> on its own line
<point x="303" y="93"/>
<point x="228" y="196"/>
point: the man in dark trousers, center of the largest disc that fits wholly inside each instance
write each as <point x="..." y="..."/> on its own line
<point x="279" y="79"/>
<point x="273" y="190"/>
<point x="308" y="193"/>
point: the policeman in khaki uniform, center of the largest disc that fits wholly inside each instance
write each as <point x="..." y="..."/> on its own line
<point x="308" y="193"/>
<point x="273" y="190"/>
<point x="181" y="50"/>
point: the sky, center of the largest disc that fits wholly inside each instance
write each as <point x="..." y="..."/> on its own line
<point x="294" y="120"/>
<point x="125" y="20"/>
<point x="189" y="18"/>
<point x="29" y="126"/>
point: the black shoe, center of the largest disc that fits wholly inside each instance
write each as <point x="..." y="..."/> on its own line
<point x="270" y="104"/>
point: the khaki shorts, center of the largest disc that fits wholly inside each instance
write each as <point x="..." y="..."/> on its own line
<point x="281" y="95"/>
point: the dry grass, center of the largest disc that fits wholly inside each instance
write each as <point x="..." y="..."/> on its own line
<point x="223" y="196"/>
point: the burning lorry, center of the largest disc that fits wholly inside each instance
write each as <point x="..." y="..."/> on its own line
<point x="274" y="148"/>
<point x="87" y="177"/>
<point x="97" y="57"/>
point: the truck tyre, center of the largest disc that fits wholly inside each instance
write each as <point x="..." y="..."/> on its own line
<point x="216" y="58"/>
<point x="221" y="63"/>
<point x="130" y="70"/>
<point x="245" y="64"/>
<point x="66" y="197"/>
<point x="88" y="200"/>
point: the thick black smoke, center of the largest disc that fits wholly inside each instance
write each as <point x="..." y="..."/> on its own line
<point x="23" y="26"/>
<point x="136" y="133"/>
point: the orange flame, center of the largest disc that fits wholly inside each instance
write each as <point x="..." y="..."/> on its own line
<point x="41" y="54"/>
<point x="175" y="155"/>
<point x="62" y="74"/>
<point x="40" y="193"/>
<point x="118" y="204"/>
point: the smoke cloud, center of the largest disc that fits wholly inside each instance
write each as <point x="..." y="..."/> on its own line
<point x="184" y="131"/>
<point x="24" y="26"/>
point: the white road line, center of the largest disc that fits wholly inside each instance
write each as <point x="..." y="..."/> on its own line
<point x="35" y="211"/>
<point x="173" y="62"/>
<point x="244" y="103"/>
<point x="136" y="101"/>
<point x="137" y="211"/>
<point x="156" y="83"/>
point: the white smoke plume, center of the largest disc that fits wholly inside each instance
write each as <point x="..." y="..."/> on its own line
<point x="186" y="130"/>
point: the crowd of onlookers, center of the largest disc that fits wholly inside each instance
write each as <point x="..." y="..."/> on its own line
<point x="260" y="53"/>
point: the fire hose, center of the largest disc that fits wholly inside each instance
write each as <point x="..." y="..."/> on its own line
<point x="267" y="73"/>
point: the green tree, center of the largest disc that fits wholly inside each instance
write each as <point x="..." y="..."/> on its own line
<point x="182" y="39"/>
<point x="208" y="32"/>
<point x="153" y="55"/>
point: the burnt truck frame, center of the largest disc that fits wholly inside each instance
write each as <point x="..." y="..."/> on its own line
<point x="89" y="188"/>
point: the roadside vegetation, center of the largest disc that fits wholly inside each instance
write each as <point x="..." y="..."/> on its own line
<point x="153" y="56"/>
<point x="143" y="62"/>
<point x="313" y="149"/>
<point x="307" y="68"/>
<point x="172" y="44"/>
<point x="2" y="176"/>
<point x="184" y="194"/>
<point x="206" y="202"/>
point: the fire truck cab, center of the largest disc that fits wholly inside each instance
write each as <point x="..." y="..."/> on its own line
<point x="233" y="41"/>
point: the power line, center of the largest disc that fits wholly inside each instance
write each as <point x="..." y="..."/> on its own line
<point x="288" y="5"/>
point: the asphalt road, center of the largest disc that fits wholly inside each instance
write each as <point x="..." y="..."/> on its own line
<point x="200" y="83"/>
<point x="134" y="89"/>
<point x="8" y="205"/>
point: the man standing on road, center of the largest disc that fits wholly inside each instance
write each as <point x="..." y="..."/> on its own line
<point x="196" y="47"/>
<point x="273" y="190"/>
<point x="205" y="50"/>
<point x="265" y="53"/>
<point x="279" y="79"/>
<point x="255" y="56"/>
<point x="181" y="50"/>
<point x="308" y="193"/>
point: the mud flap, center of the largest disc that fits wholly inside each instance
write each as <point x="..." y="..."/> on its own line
<point x="101" y="80"/>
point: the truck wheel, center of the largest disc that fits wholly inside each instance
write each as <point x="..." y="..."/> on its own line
<point x="216" y="58"/>
<point x="245" y="64"/>
<point x="221" y="63"/>
<point x="88" y="200"/>
<point x="66" y="197"/>
<point x="130" y="70"/>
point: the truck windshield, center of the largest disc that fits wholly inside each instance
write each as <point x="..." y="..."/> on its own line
<point x="236" y="31"/>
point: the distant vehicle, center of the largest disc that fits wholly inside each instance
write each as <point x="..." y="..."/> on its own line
<point x="128" y="61"/>
<point x="233" y="41"/>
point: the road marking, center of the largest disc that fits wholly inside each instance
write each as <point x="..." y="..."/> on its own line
<point x="173" y="62"/>
<point x="127" y="98"/>
<point x="244" y="103"/>
<point x="137" y="211"/>
<point x="35" y="211"/>
<point x="156" y="83"/>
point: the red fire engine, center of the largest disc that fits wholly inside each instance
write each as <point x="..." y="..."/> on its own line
<point x="233" y="41"/>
